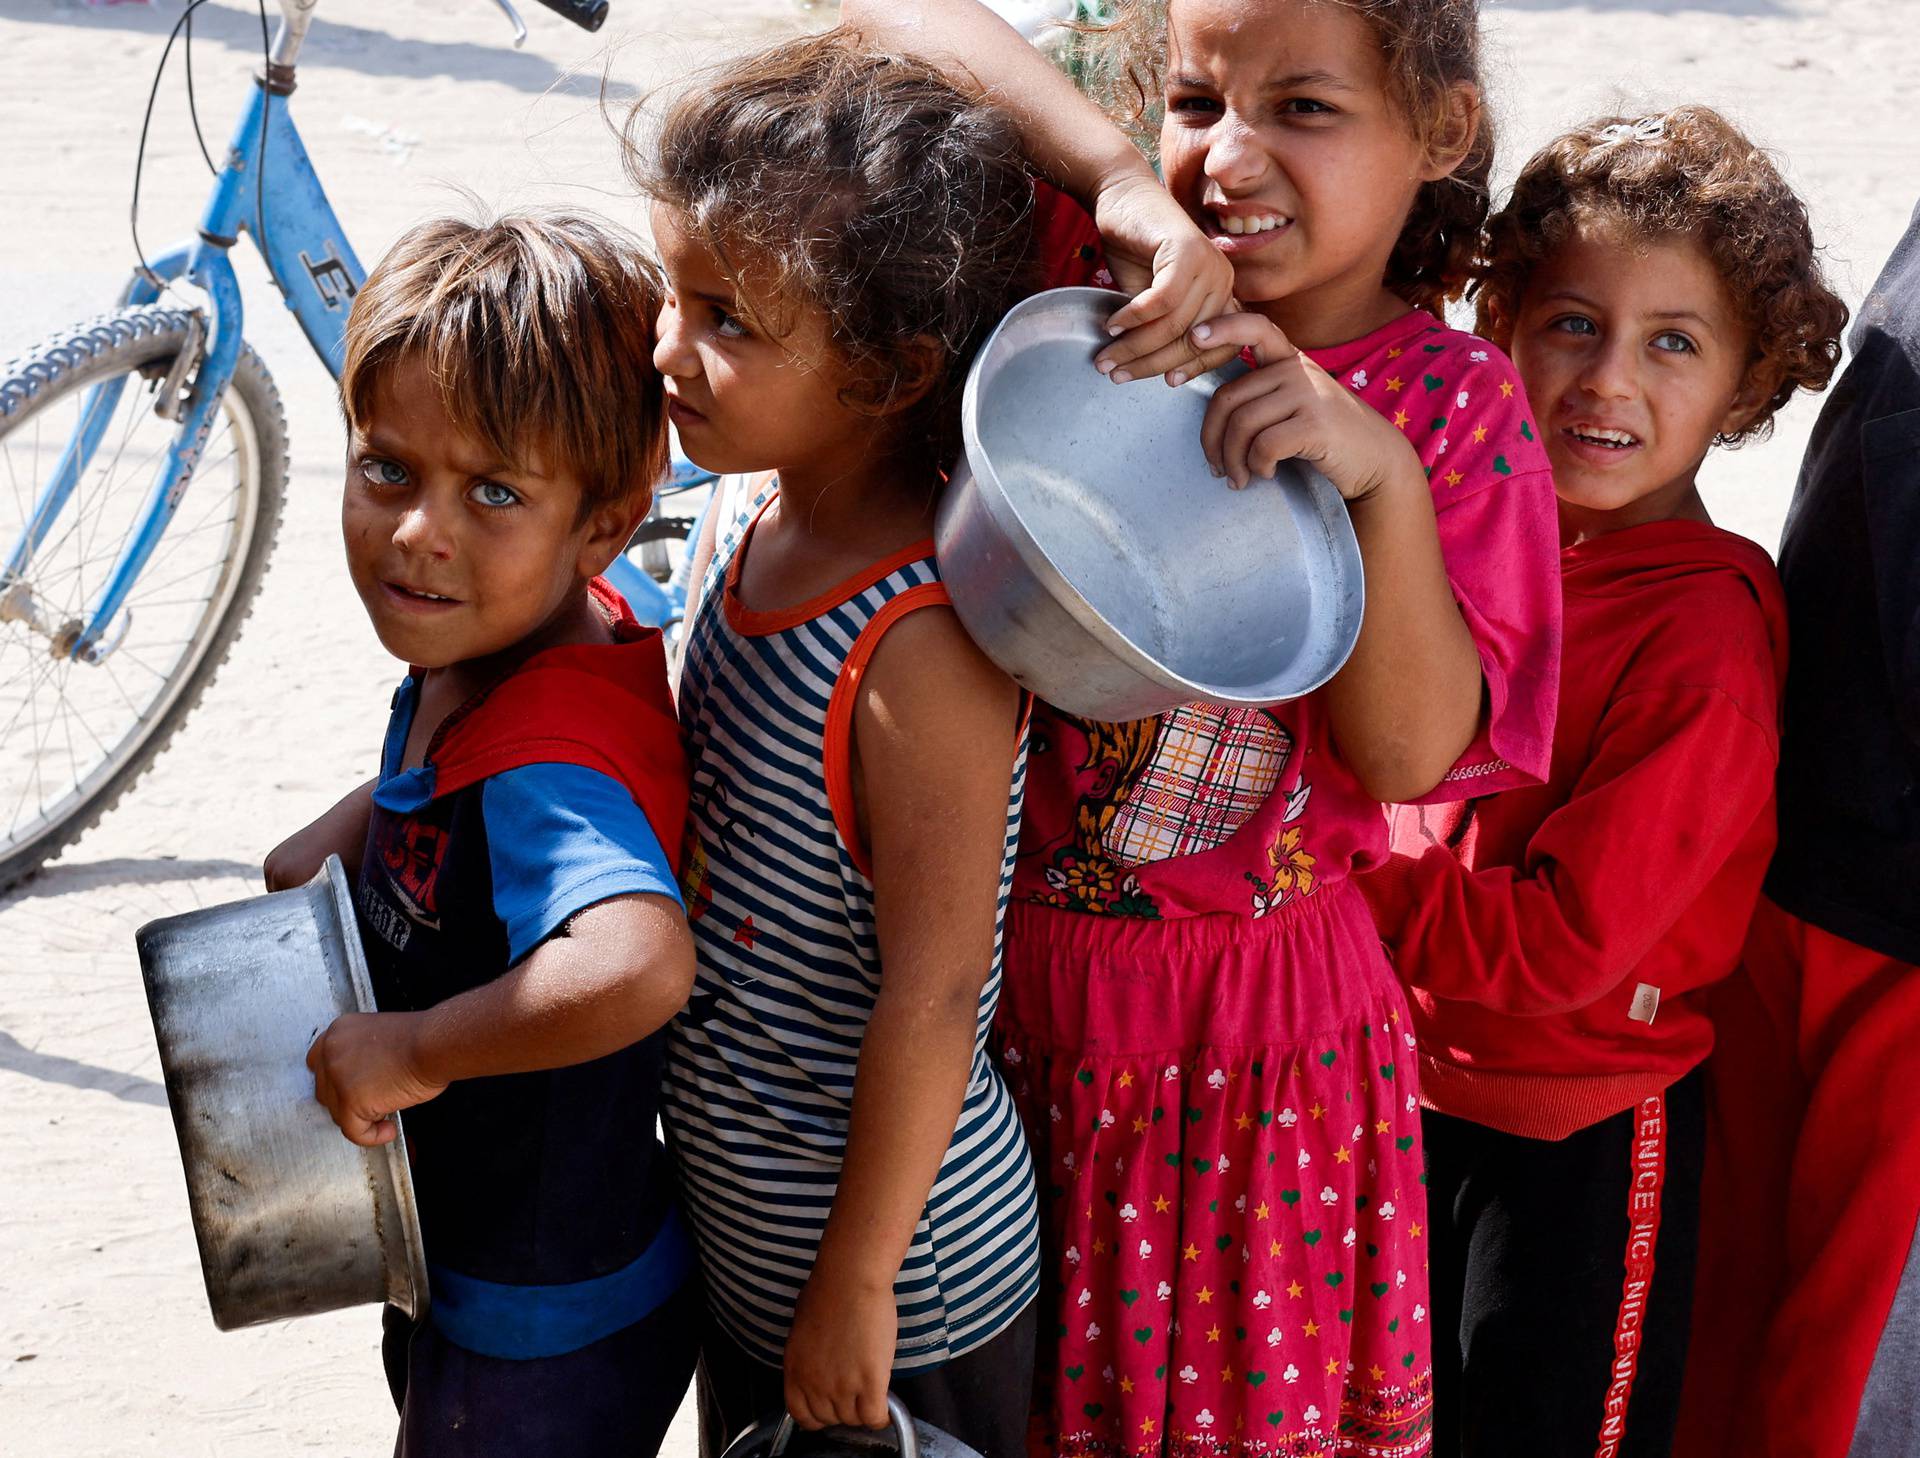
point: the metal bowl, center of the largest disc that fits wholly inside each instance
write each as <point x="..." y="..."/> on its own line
<point x="291" y="1218"/>
<point x="777" y="1436"/>
<point x="1095" y="558"/>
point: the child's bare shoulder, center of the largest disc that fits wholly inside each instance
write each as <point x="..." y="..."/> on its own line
<point x="927" y="653"/>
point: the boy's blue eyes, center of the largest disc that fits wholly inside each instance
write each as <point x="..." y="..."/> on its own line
<point x="380" y="472"/>
<point x="492" y="493"/>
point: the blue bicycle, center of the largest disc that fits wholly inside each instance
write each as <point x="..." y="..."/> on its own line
<point x="145" y="459"/>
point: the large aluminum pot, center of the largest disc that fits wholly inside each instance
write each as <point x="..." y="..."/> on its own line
<point x="290" y="1217"/>
<point x="1094" y="557"/>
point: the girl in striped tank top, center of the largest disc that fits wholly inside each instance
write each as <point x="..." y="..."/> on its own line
<point x="839" y="230"/>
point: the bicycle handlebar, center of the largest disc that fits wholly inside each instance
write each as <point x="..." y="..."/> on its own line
<point x="587" y="14"/>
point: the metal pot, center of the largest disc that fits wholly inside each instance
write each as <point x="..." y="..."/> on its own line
<point x="780" y="1437"/>
<point x="291" y="1219"/>
<point x="1094" y="557"/>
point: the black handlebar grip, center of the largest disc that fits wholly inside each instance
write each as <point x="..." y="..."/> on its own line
<point x="587" y="14"/>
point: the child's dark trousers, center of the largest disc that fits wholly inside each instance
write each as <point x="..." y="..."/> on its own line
<point x="612" y="1399"/>
<point x="1562" y="1279"/>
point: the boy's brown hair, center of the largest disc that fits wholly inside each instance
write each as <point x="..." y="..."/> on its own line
<point x="1687" y="174"/>
<point x="862" y="184"/>
<point x="538" y="330"/>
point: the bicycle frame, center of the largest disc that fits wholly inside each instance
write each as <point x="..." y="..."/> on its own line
<point x="269" y="190"/>
<point x="310" y="259"/>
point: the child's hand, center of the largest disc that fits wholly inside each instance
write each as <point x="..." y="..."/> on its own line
<point x="1177" y="277"/>
<point x="1290" y="409"/>
<point x="365" y="1071"/>
<point x="840" y="1352"/>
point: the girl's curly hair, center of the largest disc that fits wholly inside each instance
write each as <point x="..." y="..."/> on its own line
<point x="821" y="173"/>
<point x="1429" y="49"/>
<point x="1685" y="173"/>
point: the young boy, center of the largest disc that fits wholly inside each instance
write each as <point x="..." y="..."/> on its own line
<point x="516" y="884"/>
<point x="1656" y="283"/>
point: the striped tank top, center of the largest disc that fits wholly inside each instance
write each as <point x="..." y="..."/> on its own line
<point x="761" y="1063"/>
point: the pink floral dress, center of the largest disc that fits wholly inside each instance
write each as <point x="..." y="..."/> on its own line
<point x="1212" y="1055"/>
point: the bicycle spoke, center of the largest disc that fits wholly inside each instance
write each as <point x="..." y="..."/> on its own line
<point x="33" y="732"/>
<point x="121" y="689"/>
<point x="134" y="658"/>
<point x="176" y="581"/>
<point x="81" y="719"/>
<point x="106" y="476"/>
<point x="105" y="495"/>
<point x="66" y="733"/>
<point x="13" y="481"/>
<point x="172" y="538"/>
<point x="42" y="665"/>
<point x="172" y="602"/>
<point x="169" y="544"/>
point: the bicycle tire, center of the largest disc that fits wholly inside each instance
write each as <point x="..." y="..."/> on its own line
<point x="142" y="341"/>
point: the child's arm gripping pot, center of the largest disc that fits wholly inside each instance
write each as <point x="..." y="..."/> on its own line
<point x="620" y="969"/>
<point x="1409" y="699"/>
<point x="341" y="832"/>
<point x="1154" y="250"/>
<point x="934" y="749"/>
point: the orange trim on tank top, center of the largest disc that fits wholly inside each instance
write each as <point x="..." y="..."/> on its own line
<point x="836" y="753"/>
<point x="759" y="623"/>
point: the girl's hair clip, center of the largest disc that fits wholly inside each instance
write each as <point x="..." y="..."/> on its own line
<point x="1647" y="129"/>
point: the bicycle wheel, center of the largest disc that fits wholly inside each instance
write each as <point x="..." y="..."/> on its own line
<point x="74" y="735"/>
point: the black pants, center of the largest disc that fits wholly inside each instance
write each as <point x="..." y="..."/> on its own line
<point x="982" y="1398"/>
<point x="612" y="1399"/>
<point x="1549" y="1338"/>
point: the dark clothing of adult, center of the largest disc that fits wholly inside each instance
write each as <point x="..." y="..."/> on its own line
<point x="1849" y="857"/>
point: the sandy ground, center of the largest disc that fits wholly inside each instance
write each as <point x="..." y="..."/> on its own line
<point x="105" y="1344"/>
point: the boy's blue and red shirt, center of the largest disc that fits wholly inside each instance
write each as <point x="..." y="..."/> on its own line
<point x="546" y="1203"/>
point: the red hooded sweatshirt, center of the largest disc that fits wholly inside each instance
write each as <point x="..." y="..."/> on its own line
<point x="1557" y="938"/>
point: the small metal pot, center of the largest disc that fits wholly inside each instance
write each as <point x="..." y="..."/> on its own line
<point x="780" y="1437"/>
<point x="291" y="1218"/>
<point x="1094" y="557"/>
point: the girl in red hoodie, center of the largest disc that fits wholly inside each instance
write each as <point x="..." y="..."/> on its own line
<point x="1656" y="284"/>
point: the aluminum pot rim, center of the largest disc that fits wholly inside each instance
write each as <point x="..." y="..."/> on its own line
<point x="399" y="1168"/>
<point x="975" y="461"/>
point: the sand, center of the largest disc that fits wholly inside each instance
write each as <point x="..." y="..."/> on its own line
<point x="105" y="1343"/>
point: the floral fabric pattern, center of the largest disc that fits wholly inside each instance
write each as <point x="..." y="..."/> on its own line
<point x="1235" y="1243"/>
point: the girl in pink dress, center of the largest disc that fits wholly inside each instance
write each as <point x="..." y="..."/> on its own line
<point x="1213" y="1054"/>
